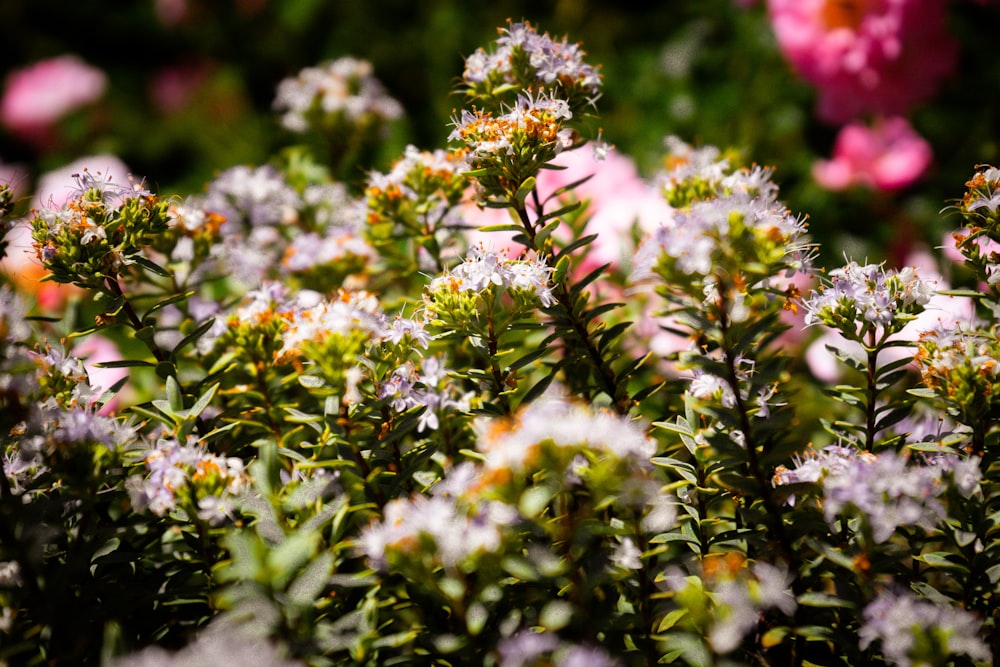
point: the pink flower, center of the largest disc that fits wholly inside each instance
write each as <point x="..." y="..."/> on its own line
<point x="20" y="265"/>
<point x="887" y="156"/>
<point x="37" y="96"/>
<point x="866" y="56"/>
<point x="56" y="186"/>
<point x="616" y="197"/>
<point x="174" y="87"/>
<point x="97" y="349"/>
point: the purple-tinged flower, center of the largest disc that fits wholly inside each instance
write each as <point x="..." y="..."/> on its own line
<point x="251" y="197"/>
<point x="868" y="297"/>
<point x="526" y="60"/>
<point x="913" y="631"/>
<point x="430" y="388"/>
<point x="189" y="477"/>
<point x="890" y="490"/>
<point x="343" y="90"/>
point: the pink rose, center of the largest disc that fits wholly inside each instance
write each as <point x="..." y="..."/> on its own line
<point x="866" y="56"/>
<point x="887" y="156"/>
<point x="37" y="96"/>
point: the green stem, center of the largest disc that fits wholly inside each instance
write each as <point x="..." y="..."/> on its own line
<point x="606" y="376"/>
<point x="493" y="345"/>
<point x="872" y="375"/>
<point x="755" y="468"/>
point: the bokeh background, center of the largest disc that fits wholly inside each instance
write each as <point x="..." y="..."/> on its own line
<point x="190" y="86"/>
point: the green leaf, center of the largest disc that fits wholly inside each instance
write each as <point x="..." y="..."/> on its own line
<point x="823" y="600"/>
<point x="575" y="245"/>
<point x="507" y="227"/>
<point x="124" y="363"/>
<point x="528" y="358"/>
<point x="285" y="559"/>
<point x="308" y="586"/>
<point x="151" y="266"/>
<point x="538" y="388"/>
<point x="545" y="232"/>
<point x="941" y="560"/>
<point x="524" y="190"/>
<point x="194" y="335"/>
<point x="670" y="620"/>
<point x="175" y="399"/>
<point x="562" y="266"/>
<point x="166" y="302"/>
<point x="203" y="401"/>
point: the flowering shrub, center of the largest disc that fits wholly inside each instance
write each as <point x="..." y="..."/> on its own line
<point x="358" y="433"/>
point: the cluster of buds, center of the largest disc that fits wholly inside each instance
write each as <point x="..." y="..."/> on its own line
<point x="724" y="252"/>
<point x="508" y="149"/>
<point x="276" y="326"/>
<point x="417" y="197"/>
<point x="961" y="368"/>
<point x="100" y="230"/>
<point x="471" y="292"/>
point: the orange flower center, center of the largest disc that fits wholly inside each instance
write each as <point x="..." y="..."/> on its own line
<point x="844" y="13"/>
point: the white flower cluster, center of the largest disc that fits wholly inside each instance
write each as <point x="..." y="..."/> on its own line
<point x="457" y="533"/>
<point x="483" y="270"/>
<point x="868" y="293"/>
<point x="539" y="118"/>
<point x="251" y="197"/>
<point x="897" y="619"/>
<point x="344" y="86"/>
<point x="552" y="60"/>
<point x="174" y="468"/>
<point x="564" y="423"/>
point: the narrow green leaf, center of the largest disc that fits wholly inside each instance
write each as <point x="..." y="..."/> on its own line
<point x="194" y="335"/>
<point x="175" y="398"/>
<point x="524" y="190"/>
<point x="124" y="363"/>
<point x="150" y="265"/>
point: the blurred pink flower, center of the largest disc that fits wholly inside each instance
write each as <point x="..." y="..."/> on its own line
<point x="16" y="176"/>
<point x="171" y="12"/>
<point x="866" y="56"/>
<point x="57" y="185"/>
<point x="173" y="88"/>
<point x="37" y="96"/>
<point x="887" y="156"/>
<point x="96" y="349"/>
<point x="617" y="197"/>
<point x="21" y="265"/>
